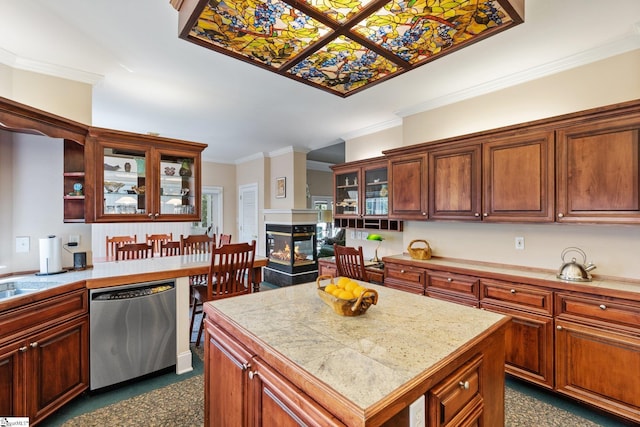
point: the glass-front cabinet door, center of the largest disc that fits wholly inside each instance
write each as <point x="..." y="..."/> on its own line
<point x="143" y="180"/>
<point x="347" y="194"/>
<point x="177" y="185"/>
<point x="376" y="192"/>
<point x="124" y="183"/>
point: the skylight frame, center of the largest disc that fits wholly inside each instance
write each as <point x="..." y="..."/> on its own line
<point x="339" y="57"/>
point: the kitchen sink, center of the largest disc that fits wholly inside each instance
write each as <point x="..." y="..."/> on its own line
<point x="12" y="289"/>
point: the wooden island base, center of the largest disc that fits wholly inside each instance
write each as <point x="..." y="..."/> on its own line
<point x="283" y="358"/>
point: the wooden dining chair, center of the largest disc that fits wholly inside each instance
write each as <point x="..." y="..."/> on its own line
<point x="224" y="239"/>
<point x="350" y="262"/>
<point x="114" y="242"/>
<point x="192" y="245"/>
<point x="196" y="244"/>
<point x="170" y="248"/>
<point x="230" y="274"/>
<point x="155" y="239"/>
<point x="133" y="251"/>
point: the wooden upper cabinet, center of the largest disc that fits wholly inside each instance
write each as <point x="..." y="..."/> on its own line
<point x="518" y="178"/>
<point x="141" y="178"/>
<point x="598" y="176"/>
<point x="408" y="191"/>
<point x="455" y="182"/>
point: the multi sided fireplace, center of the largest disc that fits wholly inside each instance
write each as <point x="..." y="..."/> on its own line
<point x="291" y="250"/>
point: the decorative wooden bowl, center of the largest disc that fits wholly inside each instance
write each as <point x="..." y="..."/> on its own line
<point x="344" y="307"/>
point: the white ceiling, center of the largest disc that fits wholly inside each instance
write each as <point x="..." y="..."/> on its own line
<point x="147" y="80"/>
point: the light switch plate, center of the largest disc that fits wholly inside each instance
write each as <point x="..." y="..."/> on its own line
<point x="22" y="244"/>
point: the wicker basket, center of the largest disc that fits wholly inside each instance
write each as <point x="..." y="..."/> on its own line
<point x="419" y="253"/>
<point x="352" y="307"/>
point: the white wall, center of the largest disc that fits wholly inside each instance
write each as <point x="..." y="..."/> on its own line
<point x="36" y="209"/>
<point x="613" y="248"/>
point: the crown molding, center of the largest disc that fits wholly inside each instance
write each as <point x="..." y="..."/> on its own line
<point x="319" y="166"/>
<point x="372" y="129"/>
<point x="26" y="64"/>
<point x="617" y="47"/>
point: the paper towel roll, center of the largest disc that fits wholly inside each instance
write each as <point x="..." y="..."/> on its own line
<point x="50" y="255"/>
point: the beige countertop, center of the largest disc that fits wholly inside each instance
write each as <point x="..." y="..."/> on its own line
<point x="114" y="273"/>
<point x="364" y="358"/>
<point x="539" y="276"/>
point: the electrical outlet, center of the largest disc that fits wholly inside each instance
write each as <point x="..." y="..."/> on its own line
<point x="417" y="413"/>
<point x="352" y="234"/>
<point x="22" y="244"/>
<point x="359" y="235"/>
<point x="520" y="243"/>
<point x="365" y="234"/>
<point x="74" y="238"/>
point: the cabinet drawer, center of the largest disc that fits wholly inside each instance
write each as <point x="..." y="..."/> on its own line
<point x="403" y="286"/>
<point x="415" y="276"/>
<point x="517" y="296"/>
<point x="619" y="312"/>
<point x="457" y="396"/>
<point x="43" y="313"/>
<point x="465" y="286"/>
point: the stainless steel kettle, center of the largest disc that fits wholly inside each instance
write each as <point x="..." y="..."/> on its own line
<point x="572" y="271"/>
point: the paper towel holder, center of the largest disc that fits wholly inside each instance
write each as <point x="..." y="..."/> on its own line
<point x="50" y="252"/>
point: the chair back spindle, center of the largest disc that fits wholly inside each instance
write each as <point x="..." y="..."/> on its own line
<point x="350" y="262"/>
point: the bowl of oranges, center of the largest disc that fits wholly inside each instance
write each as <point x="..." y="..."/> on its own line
<point x="346" y="296"/>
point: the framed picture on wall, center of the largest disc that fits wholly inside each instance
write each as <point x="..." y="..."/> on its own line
<point x="281" y="187"/>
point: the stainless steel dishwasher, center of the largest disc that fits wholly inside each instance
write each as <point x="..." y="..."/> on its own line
<point x="132" y="331"/>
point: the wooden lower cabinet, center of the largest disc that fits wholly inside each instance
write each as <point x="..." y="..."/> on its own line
<point x="450" y="287"/>
<point x="44" y="369"/>
<point x="327" y="267"/>
<point x="581" y="344"/>
<point x="599" y="367"/>
<point x="279" y="403"/>
<point x="457" y="400"/>
<point x="242" y="390"/>
<point x="405" y="278"/>
<point x="529" y="339"/>
<point x="528" y="345"/>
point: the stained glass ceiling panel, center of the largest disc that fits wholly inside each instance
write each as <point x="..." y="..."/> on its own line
<point x="342" y="46"/>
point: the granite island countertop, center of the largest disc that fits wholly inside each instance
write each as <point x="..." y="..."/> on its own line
<point x="364" y="358"/>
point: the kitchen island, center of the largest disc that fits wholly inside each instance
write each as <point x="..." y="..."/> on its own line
<point x="286" y="357"/>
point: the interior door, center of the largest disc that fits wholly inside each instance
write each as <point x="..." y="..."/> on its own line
<point x="248" y="215"/>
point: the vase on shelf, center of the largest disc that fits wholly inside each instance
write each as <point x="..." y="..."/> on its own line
<point x="384" y="191"/>
<point x="185" y="168"/>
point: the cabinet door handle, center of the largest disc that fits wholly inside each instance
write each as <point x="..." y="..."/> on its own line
<point x="513" y="291"/>
<point x="424" y="213"/>
<point x="245" y="366"/>
<point x="485" y="214"/>
<point x="464" y="385"/>
<point x="449" y="279"/>
<point x="477" y="214"/>
<point x="560" y="215"/>
<point x="253" y="374"/>
<point x="559" y="327"/>
<point x="603" y="307"/>
<point x="150" y="215"/>
<point x="402" y="271"/>
<point x="157" y="215"/>
<point x="34" y="344"/>
<point x="23" y="349"/>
